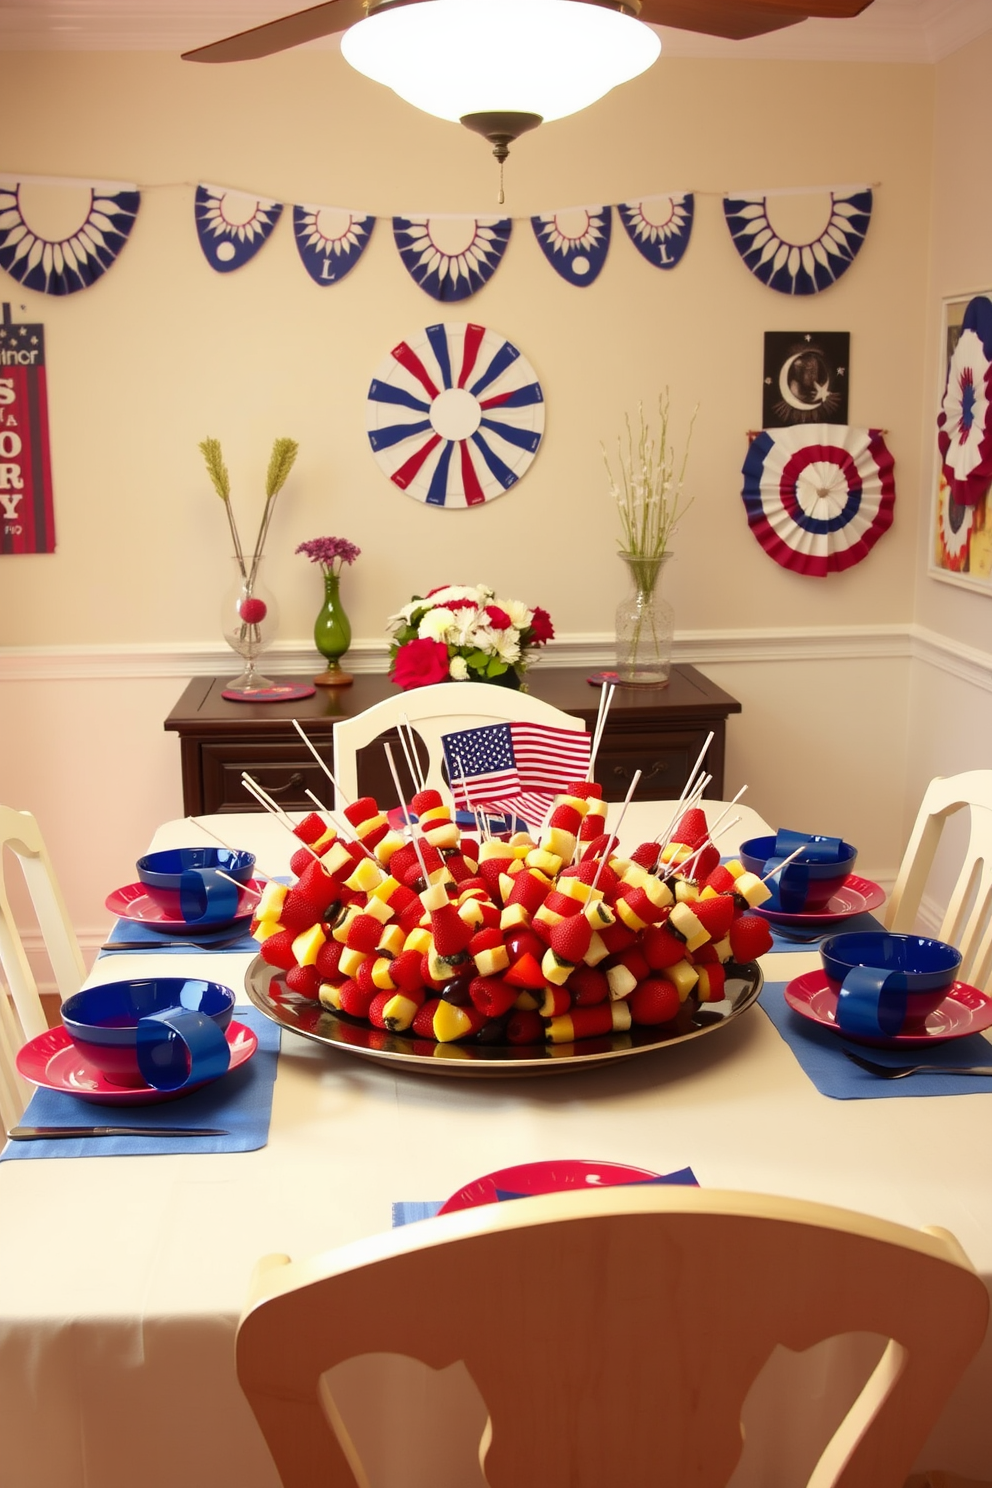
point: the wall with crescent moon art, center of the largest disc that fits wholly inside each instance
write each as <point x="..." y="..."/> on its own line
<point x="163" y="351"/>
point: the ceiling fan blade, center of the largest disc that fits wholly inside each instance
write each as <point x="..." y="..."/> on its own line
<point x="279" y="36"/>
<point x="736" y="21"/>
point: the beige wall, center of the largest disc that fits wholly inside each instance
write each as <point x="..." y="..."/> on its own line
<point x="163" y="351"/>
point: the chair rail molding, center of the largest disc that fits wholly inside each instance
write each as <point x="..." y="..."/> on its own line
<point x="127" y="662"/>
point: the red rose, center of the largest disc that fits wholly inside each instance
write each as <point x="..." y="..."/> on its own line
<point x="498" y="619"/>
<point x="419" y="663"/>
<point x="541" y="628"/>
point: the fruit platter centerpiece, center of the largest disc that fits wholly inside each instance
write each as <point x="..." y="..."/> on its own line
<point x="464" y="954"/>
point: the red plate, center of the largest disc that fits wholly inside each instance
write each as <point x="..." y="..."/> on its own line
<point x="134" y="902"/>
<point x="52" y="1061"/>
<point x="964" y="1010"/>
<point x="543" y="1178"/>
<point x="855" y="896"/>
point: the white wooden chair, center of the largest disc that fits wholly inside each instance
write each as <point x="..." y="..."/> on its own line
<point x="967" y="922"/>
<point x="434" y="711"/>
<point x="21" y="1013"/>
<point x="614" y="1334"/>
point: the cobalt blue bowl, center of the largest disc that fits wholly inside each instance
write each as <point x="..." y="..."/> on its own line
<point x="929" y="966"/>
<point x="103" y="1024"/>
<point x="807" y="884"/>
<point x="163" y="870"/>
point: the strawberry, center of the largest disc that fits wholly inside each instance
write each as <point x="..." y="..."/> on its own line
<point x="567" y="818"/>
<point x="646" y="855"/>
<point x="584" y="790"/>
<point x="588" y="986"/>
<point x="708" y="859"/>
<point x="492" y="995"/>
<point x="363" y="933"/>
<point x="528" y="890"/>
<point x="617" y="937"/>
<point x="601" y="846"/>
<point x="310" y="828"/>
<point x="403" y="858"/>
<point x="525" y="972"/>
<point x="715" y="915"/>
<point x="304" y="980"/>
<point x="570" y="938"/>
<point x="691" y="828"/>
<point x="654" y="1001"/>
<point x="327" y="959"/>
<point x="451" y="934"/>
<point x="661" y="948"/>
<point x="484" y="940"/>
<point x="425" y="800"/>
<point x="489" y="871"/>
<point x="352" y="1000"/>
<point x="423" y="1023"/>
<point x="562" y="904"/>
<point x="361" y="810"/>
<point x="634" y="960"/>
<point x="406" y="971"/>
<point x="750" y="938"/>
<point x="524" y="1028"/>
<point x="363" y="977"/>
<point x="376" y="1008"/>
<point x="277" y="950"/>
<point x="721" y="879"/>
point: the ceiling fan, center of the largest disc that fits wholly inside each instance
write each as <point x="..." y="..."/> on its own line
<point x="501" y="67"/>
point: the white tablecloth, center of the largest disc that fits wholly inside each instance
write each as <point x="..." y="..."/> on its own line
<point x="121" y="1279"/>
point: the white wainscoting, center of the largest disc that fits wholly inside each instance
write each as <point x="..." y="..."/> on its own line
<point x="836" y="717"/>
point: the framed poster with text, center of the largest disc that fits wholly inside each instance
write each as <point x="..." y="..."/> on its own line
<point x="961" y="516"/>
<point x="27" y="519"/>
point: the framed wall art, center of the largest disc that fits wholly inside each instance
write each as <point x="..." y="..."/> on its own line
<point x="961" y="516"/>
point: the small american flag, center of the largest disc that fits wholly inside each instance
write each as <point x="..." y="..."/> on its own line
<point x="517" y="767"/>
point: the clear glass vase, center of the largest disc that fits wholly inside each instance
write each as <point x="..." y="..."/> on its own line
<point x="249" y="620"/>
<point x="332" y="634"/>
<point x="645" y="625"/>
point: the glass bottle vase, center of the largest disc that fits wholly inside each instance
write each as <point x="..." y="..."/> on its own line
<point x="332" y="634"/>
<point x="645" y="625"/>
<point x="249" y="620"/>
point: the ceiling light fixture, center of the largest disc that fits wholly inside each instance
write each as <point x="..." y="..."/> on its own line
<point x="501" y="67"/>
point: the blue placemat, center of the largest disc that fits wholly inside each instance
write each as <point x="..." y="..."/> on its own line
<point x="819" y="1053"/>
<point x="406" y="1211"/>
<point x="240" y="1103"/>
<point x="194" y="945"/>
<point x="807" y="937"/>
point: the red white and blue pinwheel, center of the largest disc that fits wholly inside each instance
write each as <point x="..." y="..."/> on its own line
<point x="232" y="226"/>
<point x="659" y="227"/>
<point x="61" y="266"/>
<point x="799" y="268"/>
<point x="330" y="241"/>
<point x="964" y="424"/>
<point x="575" y="242"/>
<point x="451" y="257"/>
<point x="818" y="496"/>
<point x="455" y="415"/>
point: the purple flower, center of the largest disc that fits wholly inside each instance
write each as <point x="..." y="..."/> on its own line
<point x="330" y="552"/>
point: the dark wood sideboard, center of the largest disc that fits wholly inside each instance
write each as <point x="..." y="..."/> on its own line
<point x="659" y="730"/>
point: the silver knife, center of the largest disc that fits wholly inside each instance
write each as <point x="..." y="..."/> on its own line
<point x="43" y="1133"/>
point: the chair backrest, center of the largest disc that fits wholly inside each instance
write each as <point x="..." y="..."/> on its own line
<point x="434" y="711"/>
<point x="21" y="1014"/>
<point x="614" y="1334"/>
<point x="967" y="921"/>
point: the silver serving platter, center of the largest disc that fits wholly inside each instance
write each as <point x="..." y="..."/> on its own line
<point x="268" y="992"/>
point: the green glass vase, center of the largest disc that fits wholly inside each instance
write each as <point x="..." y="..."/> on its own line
<point x="332" y="634"/>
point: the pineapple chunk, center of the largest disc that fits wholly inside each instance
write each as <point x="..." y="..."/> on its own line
<point x="265" y="928"/>
<point x="392" y="939"/>
<point x="270" y="905"/>
<point x="366" y="877"/>
<point x="330" y="995"/>
<point x="307" y="944"/>
<point x="351" y="960"/>
<point x="683" y="977"/>
<point x="621" y="982"/>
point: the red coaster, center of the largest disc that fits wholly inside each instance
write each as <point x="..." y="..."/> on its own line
<point x="603" y="679"/>
<point x="281" y="693"/>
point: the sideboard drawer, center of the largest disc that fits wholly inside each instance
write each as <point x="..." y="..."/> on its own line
<point x="286" y="771"/>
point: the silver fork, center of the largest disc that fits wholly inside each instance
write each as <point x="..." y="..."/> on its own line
<point x="899" y="1071"/>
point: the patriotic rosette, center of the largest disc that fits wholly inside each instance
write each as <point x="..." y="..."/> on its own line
<point x="964" y="424"/>
<point x="818" y="496"/>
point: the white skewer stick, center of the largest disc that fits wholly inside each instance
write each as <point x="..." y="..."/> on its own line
<point x="339" y="793"/>
<point x="406" y="815"/>
<point x="615" y="834"/>
<point x="600" y="728"/>
<point x="254" y="789"/>
<point x="729" y="807"/>
<point x="482" y="825"/>
<point x="262" y="795"/>
<point x="680" y="810"/>
<point x="687" y="868"/>
<point x="257" y="872"/>
<point x="702" y="755"/>
<point x="604" y="689"/>
<point x="785" y="862"/>
<point x="248" y="888"/>
<point x="344" y="829"/>
<point x="410" y="750"/>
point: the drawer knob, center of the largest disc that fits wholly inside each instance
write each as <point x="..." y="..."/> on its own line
<point x="293" y="783"/>
<point x="658" y="768"/>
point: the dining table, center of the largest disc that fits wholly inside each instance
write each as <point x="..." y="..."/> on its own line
<point x="123" y="1276"/>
